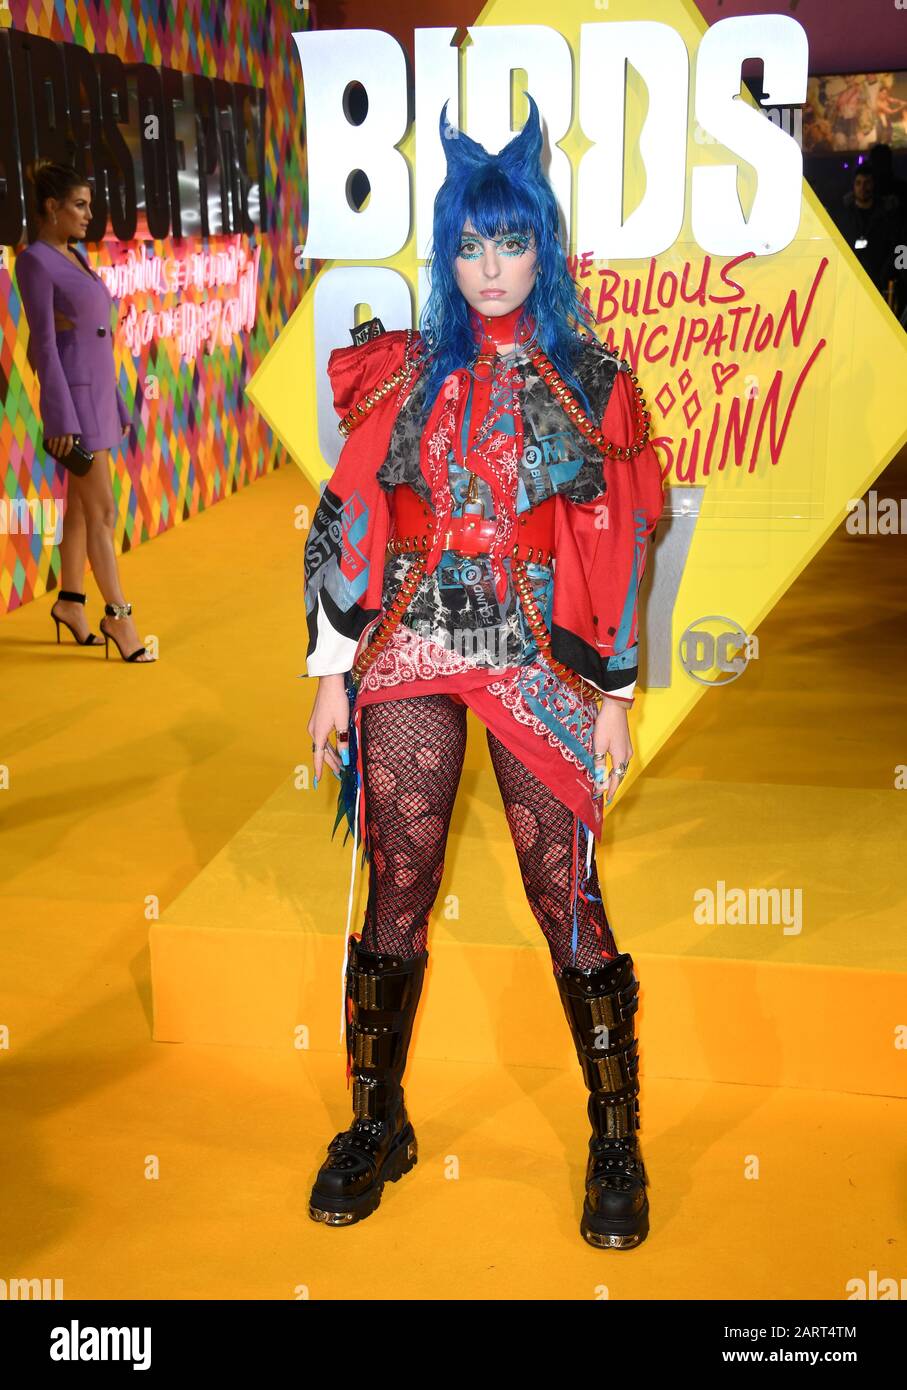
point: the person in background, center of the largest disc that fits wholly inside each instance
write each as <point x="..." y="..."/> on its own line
<point x="887" y="186"/>
<point x="71" y="351"/>
<point x="869" y="224"/>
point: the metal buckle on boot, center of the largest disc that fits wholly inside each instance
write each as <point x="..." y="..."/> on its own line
<point x="365" y="990"/>
<point x="364" y="1049"/>
<point x="364" y="1098"/>
<point x="615" y="1119"/>
<point x="614" y="1071"/>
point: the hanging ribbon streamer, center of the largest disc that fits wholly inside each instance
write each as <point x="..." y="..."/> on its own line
<point x="349" y="912"/>
<point x="587" y="897"/>
<point x="575" y="879"/>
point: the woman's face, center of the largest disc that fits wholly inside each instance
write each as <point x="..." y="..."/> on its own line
<point x="495" y="274"/>
<point x="73" y="213"/>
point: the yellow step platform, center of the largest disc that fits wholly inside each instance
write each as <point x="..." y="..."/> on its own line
<point x="252" y="952"/>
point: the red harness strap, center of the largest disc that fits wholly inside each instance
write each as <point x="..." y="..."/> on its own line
<point x="413" y="524"/>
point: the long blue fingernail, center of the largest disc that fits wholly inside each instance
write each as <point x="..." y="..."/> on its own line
<point x="316" y="781"/>
<point x="345" y="756"/>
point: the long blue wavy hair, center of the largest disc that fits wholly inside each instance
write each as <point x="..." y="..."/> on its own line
<point x="498" y="193"/>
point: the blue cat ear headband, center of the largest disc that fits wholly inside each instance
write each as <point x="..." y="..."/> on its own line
<point x="520" y="158"/>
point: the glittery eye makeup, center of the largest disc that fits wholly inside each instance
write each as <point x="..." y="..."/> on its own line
<point x="512" y="244"/>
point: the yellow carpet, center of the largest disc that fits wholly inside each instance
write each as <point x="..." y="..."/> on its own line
<point x="132" y="789"/>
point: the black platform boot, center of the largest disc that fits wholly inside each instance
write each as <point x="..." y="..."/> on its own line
<point x="600" y="1008"/>
<point x="380" y="1146"/>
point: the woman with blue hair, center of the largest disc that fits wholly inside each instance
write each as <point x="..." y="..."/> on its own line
<point x="481" y="544"/>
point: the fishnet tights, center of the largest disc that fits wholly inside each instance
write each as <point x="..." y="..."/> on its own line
<point x="412" y="752"/>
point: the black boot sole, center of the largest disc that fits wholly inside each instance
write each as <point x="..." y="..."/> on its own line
<point x="346" y="1211"/>
<point x="612" y="1234"/>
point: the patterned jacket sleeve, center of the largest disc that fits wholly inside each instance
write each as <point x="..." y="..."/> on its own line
<point x="333" y="587"/>
<point x="634" y="500"/>
<point x="350" y="525"/>
<point x="58" y="413"/>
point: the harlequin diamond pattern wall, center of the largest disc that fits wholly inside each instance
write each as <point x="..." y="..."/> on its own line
<point x="196" y="438"/>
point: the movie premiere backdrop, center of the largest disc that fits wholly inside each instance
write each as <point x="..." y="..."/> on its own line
<point x="772" y="368"/>
<point x="185" y="116"/>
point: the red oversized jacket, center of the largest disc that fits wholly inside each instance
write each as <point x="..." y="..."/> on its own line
<point x="600" y="545"/>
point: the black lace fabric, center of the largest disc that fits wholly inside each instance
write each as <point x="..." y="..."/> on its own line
<point x="412" y="751"/>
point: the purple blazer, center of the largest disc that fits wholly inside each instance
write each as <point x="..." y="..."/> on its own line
<point x="74" y="366"/>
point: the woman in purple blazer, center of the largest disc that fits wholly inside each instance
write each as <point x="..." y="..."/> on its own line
<point x="70" y="347"/>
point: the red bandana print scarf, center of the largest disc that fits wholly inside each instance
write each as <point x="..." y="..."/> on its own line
<point x="492" y="453"/>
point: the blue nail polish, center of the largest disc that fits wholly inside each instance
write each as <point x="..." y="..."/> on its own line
<point x="345" y="756"/>
<point x="316" y="781"/>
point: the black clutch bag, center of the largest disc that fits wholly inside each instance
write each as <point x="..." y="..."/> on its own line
<point x="78" y="460"/>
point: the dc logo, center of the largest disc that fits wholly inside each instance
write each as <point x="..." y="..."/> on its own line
<point x="715" y="650"/>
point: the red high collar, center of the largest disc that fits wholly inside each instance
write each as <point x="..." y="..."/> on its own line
<point x="493" y="330"/>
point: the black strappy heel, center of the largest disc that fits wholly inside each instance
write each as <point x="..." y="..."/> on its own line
<point x="120" y="610"/>
<point x="70" y="596"/>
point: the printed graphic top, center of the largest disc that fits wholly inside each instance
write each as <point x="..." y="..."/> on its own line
<point x="523" y="448"/>
<point x="456" y="621"/>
